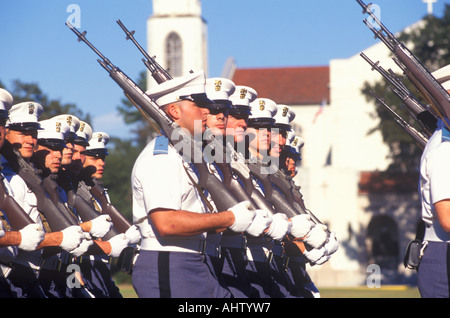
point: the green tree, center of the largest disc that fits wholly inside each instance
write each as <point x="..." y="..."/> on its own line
<point x="430" y="44"/>
<point x="24" y="92"/>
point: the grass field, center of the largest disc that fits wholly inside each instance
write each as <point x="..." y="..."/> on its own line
<point x="347" y="292"/>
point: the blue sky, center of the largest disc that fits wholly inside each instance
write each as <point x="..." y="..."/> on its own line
<point x="37" y="47"/>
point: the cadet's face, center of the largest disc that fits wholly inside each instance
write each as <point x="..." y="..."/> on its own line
<point x="217" y="122"/>
<point x="261" y="141"/>
<point x="78" y="159"/>
<point x="290" y="164"/>
<point x="278" y="143"/>
<point x="192" y="117"/>
<point x="98" y="163"/>
<point x="67" y="154"/>
<point x="237" y="127"/>
<point x="2" y="135"/>
<point x="52" y="158"/>
<point x="25" y="142"/>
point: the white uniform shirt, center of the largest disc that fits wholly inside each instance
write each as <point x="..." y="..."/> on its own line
<point x="28" y="201"/>
<point x="161" y="181"/>
<point x="434" y="183"/>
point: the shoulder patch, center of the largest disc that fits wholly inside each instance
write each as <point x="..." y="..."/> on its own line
<point x="161" y="146"/>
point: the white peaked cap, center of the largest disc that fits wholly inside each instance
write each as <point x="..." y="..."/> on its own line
<point x="6" y="101"/>
<point x="25" y="116"/>
<point x="97" y="144"/>
<point x="263" y="110"/>
<point x="218" y="88"/>
<point x="72" y="121"/>
<point x="442" y="75"/>
<point x="243" y="96"/>
<point x="284" y="116"/>
<point x="171" y="91"/>
<point x="53" y="129"/>
<point x="297" y="143"/>
<point x="84" y="133"/>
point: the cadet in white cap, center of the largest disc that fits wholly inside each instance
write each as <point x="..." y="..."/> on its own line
<point x="81" y="141"/>
<point x="260" y="124"/>
<point x="173" y="218"/>
<point x="240" y="111"/>
<point x="433" y="279"/>
<point x="290" y="156"/>
<point x="218" y="90"/>
<point x="74" y="124"/>
<point x="21" y="133"/>
<point x="27" y="238"/>
<point x="283" y="118"/>
<point x="96" y="153"/>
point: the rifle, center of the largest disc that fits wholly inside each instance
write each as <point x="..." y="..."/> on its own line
<point x="119" y="220"/>
<point x="419" y="112"/>
<point x="185" y="143"/>
<point x="84" y="209"/>
<point x="17" y="217"/>
<point x="418" y="137"/>
<point x="424" y="81"/>
<point x="56" y="219"/>
<point x="158" y="73"/>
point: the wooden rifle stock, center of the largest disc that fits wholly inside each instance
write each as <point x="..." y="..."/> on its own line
<point x="17" y="217"/>
<point x="119" y="220"/>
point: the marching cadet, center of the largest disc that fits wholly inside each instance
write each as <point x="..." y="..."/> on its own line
<point x="433" y="280"/>
<point x="21" y="133"/>
<point x="290" y="156"/>
<point x="98" y="271"/>
<point x="173" y="218"/>
<point x="28" y="238"/>
<point x="230" y="267"/>
<point x="283" y="117"/>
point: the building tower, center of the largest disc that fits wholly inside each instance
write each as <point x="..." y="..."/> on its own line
<point x="177" y="36"/>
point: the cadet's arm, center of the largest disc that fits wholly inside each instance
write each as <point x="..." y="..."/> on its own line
<point x="184" y="223"/>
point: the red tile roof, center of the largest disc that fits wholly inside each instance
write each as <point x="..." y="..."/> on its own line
<point x="385" y="182"/>
<point x="287" y="85"/>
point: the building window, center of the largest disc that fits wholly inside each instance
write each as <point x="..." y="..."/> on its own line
<point x="174" y="54"/>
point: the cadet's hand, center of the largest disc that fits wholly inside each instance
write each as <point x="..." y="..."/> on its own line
<point x="279" y="227"/>
<point x="118" y="243"/>
<point x="72" y="237"/>
<point x="317" y="236"/>
<point x="243" y="217"/>
<point x="101" y="225"/>
<point x="332" y="244"/>
<point x="133" y="234"/>
<point x="301" y="225"/>
<point x="315" y="254"/>
<point x="84" y="245"/>
<point x="260" y="223"/>
<point x="32" y="236"/>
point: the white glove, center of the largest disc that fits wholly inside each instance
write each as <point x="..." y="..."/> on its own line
<point x="301" y="225"/>
<point x="133" y="234"/>
<point x="32" y="236"/>
<point x="2" y="233"/>
<point x="317" y="236"/>
<point x="118" y="243"/>
<point x="332" y="245"/>
<point x="83" y="247"/>
<point x="315" y="254"/>
<point x="261" y="222"/>
<point x="243" y="217"/>
<point x="323" y="259"/>
<point x="279" y="227"/>
<point x="101" y="225"/>
<point x="72" y="237"/>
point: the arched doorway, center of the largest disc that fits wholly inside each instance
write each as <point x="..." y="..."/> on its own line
<point x="383" y="234"/>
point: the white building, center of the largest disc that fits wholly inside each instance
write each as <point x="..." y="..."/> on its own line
<point x="339" y="160"/>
